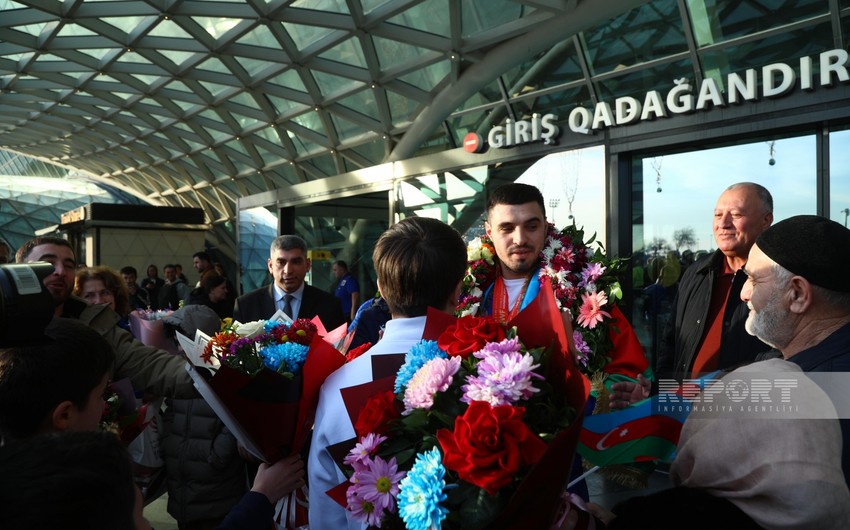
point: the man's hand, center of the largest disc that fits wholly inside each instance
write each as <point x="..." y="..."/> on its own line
<point x="625" y="393"/>
<point x="277" y="480"/>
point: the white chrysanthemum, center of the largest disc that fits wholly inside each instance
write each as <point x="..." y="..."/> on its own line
<point x="555" y="244"/>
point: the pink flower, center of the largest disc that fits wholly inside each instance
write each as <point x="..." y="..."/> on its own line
<point x="591" y="273"/>
<point x="374" y="490"/>
<point x="435" y="376"/>
<point x="590" y="313"/>
<point x="359" y="455"/>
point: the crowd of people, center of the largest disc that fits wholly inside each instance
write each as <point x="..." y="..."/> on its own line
<point x="764" y="300"/>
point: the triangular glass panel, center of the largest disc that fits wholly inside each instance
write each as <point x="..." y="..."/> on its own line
<point x="345" y="129"/>
<point x="373" y="151"/>
<point x="217" y="26"/>
<point x="401" y="108"/>
<point x="347" y="52"/>
<point x="289" y="79"/>
<point x="431" y="16"/>
<point x="302" y="145"/>
<point x="310" y="120"/>
<point x="125" y="24"/>
<point x="261" y="36"/>
<point x="337" y="6"/>
<point x="269" y="156"/>
<point x="214" y="88"/>
<point x="133" y="58"/>
<point x="214" y="64"/>
<point x="31" y="29"/>
<point x="284" y="106"/>
<point x="255" y="66"/>
<point x="393" y="53"/>
<point x="303" y="36"/>
<point x="74" y="30"/>
<point x="169" y="28"/>
<point x="330" y="84"/>
<point x="176" y="57"/>
<point x="97" y="53"/>
<point x="429" y="77"/>
<point x="362" y="102"/>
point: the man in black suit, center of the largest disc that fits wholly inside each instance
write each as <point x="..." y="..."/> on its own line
<point x="288" y="265"/>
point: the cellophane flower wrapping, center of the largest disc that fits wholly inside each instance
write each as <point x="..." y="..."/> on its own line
<point x="266" y="386"/>
<point x="147" y="327"/>
<point x="477" y="430"/>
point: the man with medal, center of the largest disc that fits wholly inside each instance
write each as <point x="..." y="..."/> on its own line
<point x="516" y="224"/>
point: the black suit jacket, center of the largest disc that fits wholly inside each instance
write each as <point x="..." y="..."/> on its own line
<point x="259" y="305"/>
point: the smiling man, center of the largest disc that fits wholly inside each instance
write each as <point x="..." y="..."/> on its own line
<point x="288" y="264"/>
<point x="707" y="330"/>
<point x="149" y="369"/>
<point x="516" y="223"/>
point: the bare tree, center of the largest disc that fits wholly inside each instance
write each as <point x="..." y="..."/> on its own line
<point x="684" y="237"/>
<point x="658" y="246"/>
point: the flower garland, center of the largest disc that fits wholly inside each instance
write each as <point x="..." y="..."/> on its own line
<point x="585" y="283"/>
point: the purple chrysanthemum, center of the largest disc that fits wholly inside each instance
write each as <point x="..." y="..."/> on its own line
<point x="375" y="488"/>
<point x="504" y="375"/>
<point x="357" y="457"/>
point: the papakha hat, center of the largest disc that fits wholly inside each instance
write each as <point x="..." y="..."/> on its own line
<point x="810" y="246"/>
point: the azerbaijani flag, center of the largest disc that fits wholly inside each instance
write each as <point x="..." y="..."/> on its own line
<point x="633" y="434"/>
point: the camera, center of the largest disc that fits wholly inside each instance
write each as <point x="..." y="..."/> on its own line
<point x="26" y="307"/>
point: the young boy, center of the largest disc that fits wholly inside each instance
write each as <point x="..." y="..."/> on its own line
<point x="55" y="383"/>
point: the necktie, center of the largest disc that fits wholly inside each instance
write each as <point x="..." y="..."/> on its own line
<point x="287" y="308"/>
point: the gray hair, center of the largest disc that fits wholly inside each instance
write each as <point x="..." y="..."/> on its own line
<point x="762" y="193"/>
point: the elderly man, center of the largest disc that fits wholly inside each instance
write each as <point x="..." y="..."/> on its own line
<point x="798" y="293"/>
<point x="289" y="265"/>
<point x="707" y="331"/>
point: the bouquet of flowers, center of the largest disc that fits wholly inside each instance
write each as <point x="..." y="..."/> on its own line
<point x="477" y="430"/>
<point x="147" y="326"/>
<point x="264" y="381"/>
<point x="584" y="280"/>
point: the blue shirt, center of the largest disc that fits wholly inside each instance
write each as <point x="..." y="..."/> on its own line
<point x="346" y="286"/>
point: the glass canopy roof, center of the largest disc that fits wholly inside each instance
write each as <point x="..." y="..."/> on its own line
<point x="196" y="103"/>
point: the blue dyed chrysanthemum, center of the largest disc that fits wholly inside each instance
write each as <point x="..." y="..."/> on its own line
<point x="286" y="357"/>
<point x="421" y="494"/>
<point x="421" y="352"/>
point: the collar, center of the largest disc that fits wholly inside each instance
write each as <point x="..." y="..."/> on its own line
<point x="818" y="357"/>
<point x="298" y="294"/>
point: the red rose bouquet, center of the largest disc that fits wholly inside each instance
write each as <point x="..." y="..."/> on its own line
<point x="478" y="431"/>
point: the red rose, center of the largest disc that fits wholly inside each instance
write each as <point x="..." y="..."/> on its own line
<point x="376" y="414"/>
<point x="489" y="445"/>
<point x="357" y="352"/>
<point x="469" y="334"/>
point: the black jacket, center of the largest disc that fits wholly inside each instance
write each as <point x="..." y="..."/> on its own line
<point x="685" y="330"/>
<point x="259" y="305"/>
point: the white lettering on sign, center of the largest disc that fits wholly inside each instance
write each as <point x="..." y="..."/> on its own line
<point x="777" y="79"/>
<point x="540" y="128"/>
